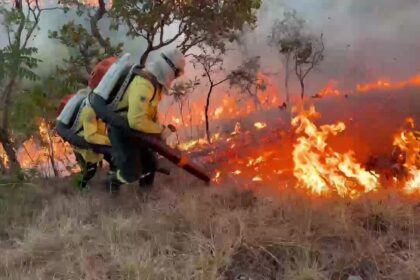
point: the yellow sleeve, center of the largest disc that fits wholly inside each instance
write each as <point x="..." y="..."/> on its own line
<point x="140" y="92"/>
<point x="91" y="129"/>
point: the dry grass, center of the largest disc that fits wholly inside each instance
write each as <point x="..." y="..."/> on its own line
<point x="187" y="231"/>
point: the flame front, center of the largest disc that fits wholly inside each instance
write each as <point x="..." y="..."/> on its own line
<point x="330" y="89"/>
<point x="385" y="84"/>
<point x="408" y="141"/>
<point x="319" y="168"/>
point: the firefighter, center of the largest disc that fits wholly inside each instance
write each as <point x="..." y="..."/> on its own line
<point x="93" y="130"/>
<point x="139" y="105"/>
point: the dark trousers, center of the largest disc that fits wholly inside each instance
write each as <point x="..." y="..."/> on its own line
<point x="134" y="160"/>
<point x="89" y="168"/>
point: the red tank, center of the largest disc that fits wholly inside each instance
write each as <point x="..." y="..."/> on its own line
<point x="63" y="103"/>
<point x="99" y="71"/>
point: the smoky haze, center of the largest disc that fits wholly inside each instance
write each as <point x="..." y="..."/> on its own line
<point x="364" y="40"/>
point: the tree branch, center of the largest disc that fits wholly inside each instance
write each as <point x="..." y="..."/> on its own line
<point x="100" y="12"/>
<point x="222" y="81"/>
<point x="168" y="42"/>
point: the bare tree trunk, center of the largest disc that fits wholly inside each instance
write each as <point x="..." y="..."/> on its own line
<point x="52" y="154"/>
<point x="5" y="138"/>
<point x="206" y="113"/>
<point x="191" y="121"/>
<point x="9" y="149"/>
<point x="181" y="110"/>
<point x="302" y="88"/>
<point x="145" y="55"/>
<point x="286" y="79"/>
<point x="254" y="97"/>
<point x="3" y="168"/>
<point x="100" y="12"/>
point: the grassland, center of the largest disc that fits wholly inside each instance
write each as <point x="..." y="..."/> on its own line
<point x="184" y="230"/>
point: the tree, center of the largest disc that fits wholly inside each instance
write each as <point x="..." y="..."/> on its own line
<point x="86" y="43"/>
<point x="212" y="65"/>
<point x="286" y="36"/>
<point x="181" y="92"/>
<point x="185" y="23"/>
<point x="307" y="57"/>
<point x="17" y="60"/>
<point x="247" y="80"/>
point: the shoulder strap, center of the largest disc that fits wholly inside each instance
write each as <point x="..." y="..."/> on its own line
<point x="135" y="71"/>
<point x="152" y="79"/>
<point x="121" y="91"/>
<point x="77" y="119"/>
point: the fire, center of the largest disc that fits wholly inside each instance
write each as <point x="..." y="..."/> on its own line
<point x="306" y="161"/>
<point x="176" y="121"/>
<point x="257" y="179"/>
<point x="380" y="84"/>
<point x="260" y="125"/>
<point x="47" y="152"/>
<point x="319" y="168"/>
<point x="216" y="177"/>
<point x="237" y="129"/>
<point x="218" y="112"/>
<point x="408" y="141"/>
<point x="330" y="89"/>
<point x="267" y="93"/>
<point x="3" y="156"/>
<point x="385" y="84"/>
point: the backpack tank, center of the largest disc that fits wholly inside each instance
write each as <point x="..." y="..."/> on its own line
<point x="70" y="110"/>
<point x="115" y="73"/>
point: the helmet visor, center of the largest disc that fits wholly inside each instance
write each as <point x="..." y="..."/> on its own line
<point x="178" y="72"/>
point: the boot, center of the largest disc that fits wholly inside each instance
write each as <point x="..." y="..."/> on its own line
<point x="114" y="185"/>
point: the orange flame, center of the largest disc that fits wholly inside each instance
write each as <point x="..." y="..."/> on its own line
<point x="322" y="170"/>
<point x="408" y="141"/>
<point x="39" y="155"/>
<point x="330" y="89"/>
<point x="260" y="125"/>
<point x="385" y="84"/>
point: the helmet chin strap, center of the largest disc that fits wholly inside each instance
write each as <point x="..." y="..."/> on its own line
<point x="172" y="65"/>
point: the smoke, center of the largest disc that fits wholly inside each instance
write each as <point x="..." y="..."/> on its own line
<point x="364" y="40"/>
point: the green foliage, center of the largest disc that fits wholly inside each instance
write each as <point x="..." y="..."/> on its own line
<point x="199" y="22"/>
<point x="86" y="46"/>
<point x="40" y="101"/>
<point x="19" y="62"/>
<point x="181" y="90"/>
<point x="16" y="58"/>
<point x="85" y="51"/>
<point x="245" y="77"/>
<point x="287" y="35"/>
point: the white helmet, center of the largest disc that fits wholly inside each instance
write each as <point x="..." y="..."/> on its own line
<point x="167" y="66"/>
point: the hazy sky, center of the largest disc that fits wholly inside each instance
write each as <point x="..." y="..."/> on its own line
<point x="364" y="38"/>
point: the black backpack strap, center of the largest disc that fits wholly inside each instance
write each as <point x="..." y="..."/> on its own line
<point x="79" y="130"/>
<point x="76" y="115"/>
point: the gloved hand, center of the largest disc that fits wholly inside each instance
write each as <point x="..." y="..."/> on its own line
<point x="167" y="132"/>
<point x="172" y="127"/>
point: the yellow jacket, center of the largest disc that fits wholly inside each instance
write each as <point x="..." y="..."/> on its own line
<point x="142" y="113"/>
<point x="94" y="132"/>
